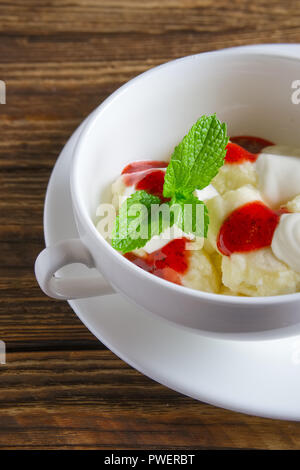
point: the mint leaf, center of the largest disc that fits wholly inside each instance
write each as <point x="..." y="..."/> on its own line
<point x="198" y="157"/>
<point x="138" y="221"/>
<point x="194" y="163"/>
<point x="190" y="214"/>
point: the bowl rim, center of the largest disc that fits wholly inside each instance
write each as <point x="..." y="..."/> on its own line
<point x="98" y="238"/>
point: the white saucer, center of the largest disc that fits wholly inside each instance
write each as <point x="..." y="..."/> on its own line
<point x="260" y="378"/>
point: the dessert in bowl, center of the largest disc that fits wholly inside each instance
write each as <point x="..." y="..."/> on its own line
<point x="251" y="244"/>
<point x="145" y="120"/>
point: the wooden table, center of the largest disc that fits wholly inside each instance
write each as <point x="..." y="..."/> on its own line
<point x="60" y="387"/>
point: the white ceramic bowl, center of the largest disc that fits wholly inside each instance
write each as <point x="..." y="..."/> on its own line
<point x="145" y="119"/>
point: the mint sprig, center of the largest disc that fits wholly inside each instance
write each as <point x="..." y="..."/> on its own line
<point x="194" y="163"/>
<point x="198" y="157"/>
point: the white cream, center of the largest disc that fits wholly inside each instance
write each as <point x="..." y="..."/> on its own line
<point x="278" y="169"/>
<point x="206" y="193"/>
<point x="286" y="240"/>
<point x="159" y="241"/>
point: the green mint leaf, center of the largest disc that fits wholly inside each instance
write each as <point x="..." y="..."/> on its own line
<point x="194" y="163"/>
<point x="198" y="157"/>
<point x="190" y="214"/>
<point x="140" y="218"/>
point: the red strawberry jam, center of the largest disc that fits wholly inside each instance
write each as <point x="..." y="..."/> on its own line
<point x="145" y="176"/>
<point x="236" y="154"/>
<point x="250" y="143"/>
<point x="169" y="262"/>
<point x="153" y="183"/>
<point x="143" y="165"/>
<point x="243" y="149"/>
<point x="249" y="227"/>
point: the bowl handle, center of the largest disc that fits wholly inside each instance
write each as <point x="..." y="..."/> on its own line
<point x="63" y="253"/>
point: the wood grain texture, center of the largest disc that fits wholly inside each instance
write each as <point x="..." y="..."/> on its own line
<point x="60" y="387"/>
<point x="92" y="400"/>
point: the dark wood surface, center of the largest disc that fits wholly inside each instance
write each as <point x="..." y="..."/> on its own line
<point x="60" y="387"/>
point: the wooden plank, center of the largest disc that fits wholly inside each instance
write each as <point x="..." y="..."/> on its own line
<point x="91" y="399"/>
<point x="151" y="17"/>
